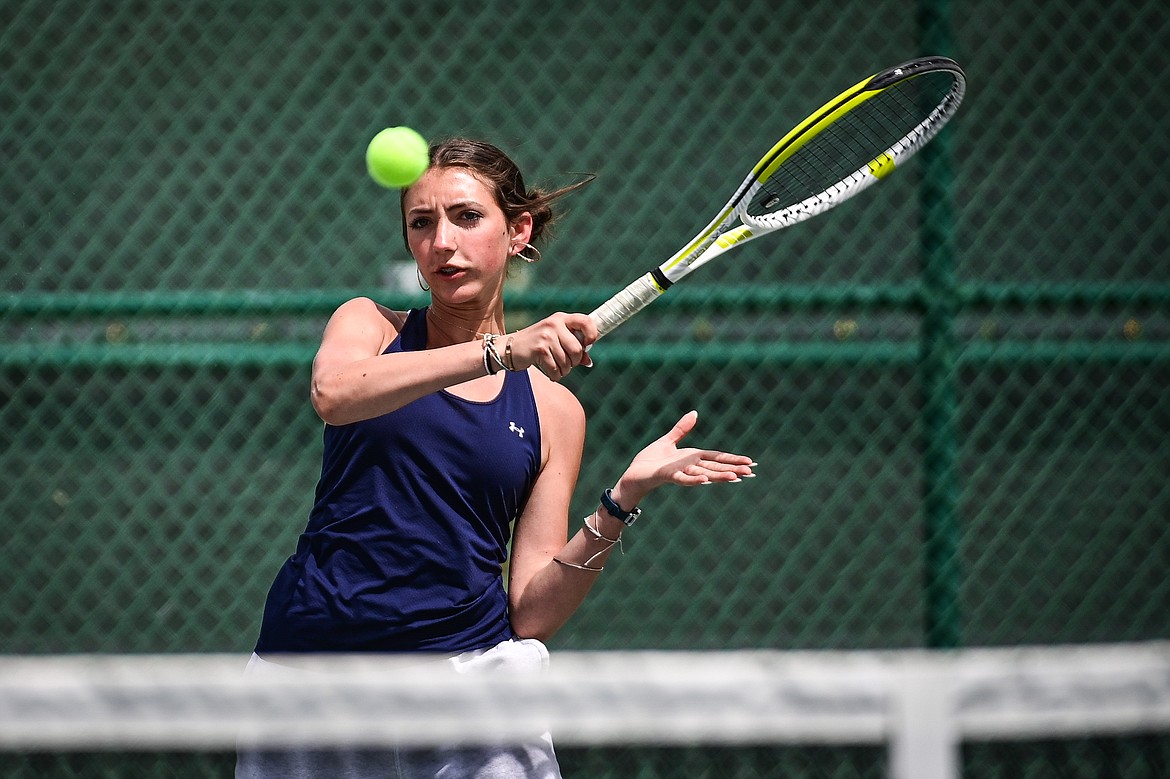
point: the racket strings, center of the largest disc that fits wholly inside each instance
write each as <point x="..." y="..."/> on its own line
<point x="857" y="138"/>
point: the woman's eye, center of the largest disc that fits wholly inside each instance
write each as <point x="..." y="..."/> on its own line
<point x="417" y="223"/>
<point x="472" y="216"/>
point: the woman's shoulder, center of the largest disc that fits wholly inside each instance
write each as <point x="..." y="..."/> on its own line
<point x="365" y="314"/>
<point x="555" y="403"/>
<point x="368" y="307"/>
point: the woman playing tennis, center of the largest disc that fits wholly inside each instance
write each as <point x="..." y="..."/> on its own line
<point x="441" y="431"/>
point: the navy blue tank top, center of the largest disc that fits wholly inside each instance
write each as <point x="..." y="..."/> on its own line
<point x="409" y="530"/>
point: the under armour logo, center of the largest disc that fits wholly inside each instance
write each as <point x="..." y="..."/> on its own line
<point x="515" y="429"/>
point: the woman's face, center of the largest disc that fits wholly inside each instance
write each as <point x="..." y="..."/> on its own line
<point x="457" y="233"/>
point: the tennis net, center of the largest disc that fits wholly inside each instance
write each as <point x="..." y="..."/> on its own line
<point x="917" y="706"/>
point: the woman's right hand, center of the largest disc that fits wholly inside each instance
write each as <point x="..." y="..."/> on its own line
<point x="554" y="345"/>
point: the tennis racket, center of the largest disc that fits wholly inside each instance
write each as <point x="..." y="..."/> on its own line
<point x="856" y="139"/>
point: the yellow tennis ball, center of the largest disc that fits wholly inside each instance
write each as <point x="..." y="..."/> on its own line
<point x="397" y="157"/>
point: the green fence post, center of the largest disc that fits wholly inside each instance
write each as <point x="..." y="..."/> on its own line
<point x="938" y="368"/>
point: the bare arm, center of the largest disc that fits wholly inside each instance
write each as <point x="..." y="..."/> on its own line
<point x="540" y="599"/>
<point x="549" y="577"/>
<point x="353" y="380"/>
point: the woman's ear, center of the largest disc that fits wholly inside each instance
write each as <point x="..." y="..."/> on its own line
<point x="520" y="231"/>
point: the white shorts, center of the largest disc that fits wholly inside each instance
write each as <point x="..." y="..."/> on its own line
<point x="534" y="759"/>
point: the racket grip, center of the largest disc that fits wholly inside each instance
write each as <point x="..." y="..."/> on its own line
<point x="639" y="294"/>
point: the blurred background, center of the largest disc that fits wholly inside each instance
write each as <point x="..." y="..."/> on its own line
<point x="956" y="384"/>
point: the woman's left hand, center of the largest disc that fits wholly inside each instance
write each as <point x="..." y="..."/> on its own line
<point x="663" y="462"/>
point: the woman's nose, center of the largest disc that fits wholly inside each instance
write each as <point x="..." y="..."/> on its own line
<point x="444" y="235"/>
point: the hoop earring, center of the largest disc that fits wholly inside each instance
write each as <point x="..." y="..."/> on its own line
<point x="421" y="284"/>
<point x="520" y="253"/>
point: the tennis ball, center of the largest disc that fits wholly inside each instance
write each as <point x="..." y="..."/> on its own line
<point x="397" y="157"/>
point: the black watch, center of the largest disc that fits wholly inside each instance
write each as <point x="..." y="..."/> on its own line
<point x="616" y="511"/>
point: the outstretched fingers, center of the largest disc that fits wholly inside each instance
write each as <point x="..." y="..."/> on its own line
<point x="713" y="466"/>
<point x="663" y="462"/>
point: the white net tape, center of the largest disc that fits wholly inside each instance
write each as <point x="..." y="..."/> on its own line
<point x="921" y="703"/>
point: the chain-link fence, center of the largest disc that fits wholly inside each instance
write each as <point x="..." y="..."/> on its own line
<point x="956" y="384"/>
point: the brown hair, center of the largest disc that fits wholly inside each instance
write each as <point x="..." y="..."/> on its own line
<point x="503" y="177"/>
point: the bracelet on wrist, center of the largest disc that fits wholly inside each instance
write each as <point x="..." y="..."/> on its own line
<point x="617" y="512"/>
<point x="508" y="363"/>
<point x="493" y="363"/>
<point x="597" y="534"/>
<point x="579" y="566"/>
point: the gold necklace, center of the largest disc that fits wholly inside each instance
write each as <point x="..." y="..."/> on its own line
<point x="477" y="334"/>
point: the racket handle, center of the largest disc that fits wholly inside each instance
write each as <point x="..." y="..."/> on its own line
<point x="639" y="294"/>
